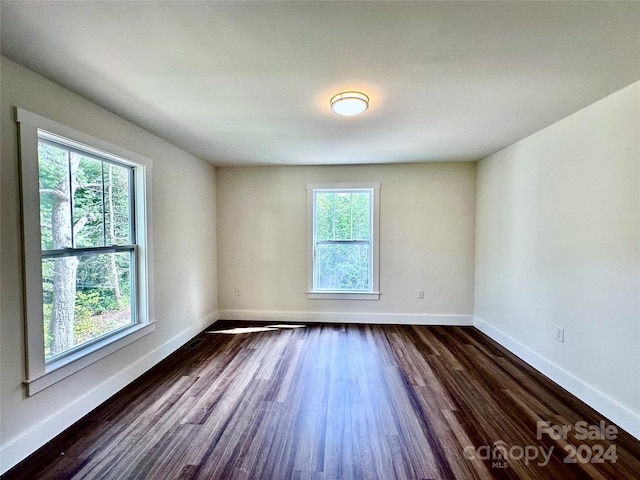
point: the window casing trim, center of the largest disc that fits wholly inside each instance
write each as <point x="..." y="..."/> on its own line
<point x="321" y="294"/>
<point x="40" y="374"/>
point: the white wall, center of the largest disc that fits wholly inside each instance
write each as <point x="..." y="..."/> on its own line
<point x="184" y="262"/>
<point x="426" y="240"/>
<point x="558" y="243"/>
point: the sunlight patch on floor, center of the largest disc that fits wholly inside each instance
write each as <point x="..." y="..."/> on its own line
<point x="267" y="328"/>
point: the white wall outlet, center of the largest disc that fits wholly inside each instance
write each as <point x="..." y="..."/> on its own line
<point x="420" y="293"/>
<point x="236" y="292"/>
<point x="560" y="334"/>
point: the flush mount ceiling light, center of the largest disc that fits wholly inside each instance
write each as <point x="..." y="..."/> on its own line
<point x="349" y="103"/>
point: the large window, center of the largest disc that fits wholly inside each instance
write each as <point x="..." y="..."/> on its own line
<point x="87" y="248"/>
<point x="343" y="252"/>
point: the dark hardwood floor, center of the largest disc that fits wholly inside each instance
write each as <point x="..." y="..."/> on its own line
<point x="339" y="402"/>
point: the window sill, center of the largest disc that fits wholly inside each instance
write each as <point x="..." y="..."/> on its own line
<point x="63" y="368"/>
<point x="343" y="295"/>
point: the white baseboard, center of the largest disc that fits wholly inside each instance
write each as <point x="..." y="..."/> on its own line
<point x="617" y="413"/>
<point x="17" y="449"/>
<point x="347" y="317"/>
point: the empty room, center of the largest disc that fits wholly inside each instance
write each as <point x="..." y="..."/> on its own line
<point x="319" y="240"/>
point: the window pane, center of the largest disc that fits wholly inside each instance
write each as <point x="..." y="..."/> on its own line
<point x="324" y="215"/>
<point x="101" y="192"/>
<point x="88" y="196"/>
<point x="361" y="215"/>
<point x="84" y="297"/>
<point x="343" y="266"/>
<point x="117" y="204"/>
<point x="55" y="197"/>
<point x="343" y="215"/>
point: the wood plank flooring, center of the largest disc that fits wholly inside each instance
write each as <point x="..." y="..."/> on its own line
<point x="337" y="402"/>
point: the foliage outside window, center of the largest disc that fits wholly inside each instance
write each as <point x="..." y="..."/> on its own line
<point x="87" y="248"/>
<point x="87" y="243"/>
<point x="344" y="247"/>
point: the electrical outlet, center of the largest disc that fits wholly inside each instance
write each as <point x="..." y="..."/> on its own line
<point x="237" y="292"/>
<point x="420" y="293"/>
<point x="560" y="334"/>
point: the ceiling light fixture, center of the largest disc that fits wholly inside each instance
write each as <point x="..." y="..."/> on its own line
<point x="349" y="103"/>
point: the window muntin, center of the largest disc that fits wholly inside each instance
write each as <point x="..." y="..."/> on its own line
<point x="343" y="241"/>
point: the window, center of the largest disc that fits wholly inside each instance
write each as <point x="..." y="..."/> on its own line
<point x="343" y="247"/>
<point x="86" y="247"/>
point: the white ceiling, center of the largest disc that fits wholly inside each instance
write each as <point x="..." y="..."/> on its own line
<point x="240" y="83"/>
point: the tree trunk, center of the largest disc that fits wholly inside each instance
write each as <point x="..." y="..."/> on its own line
<point x="64" y="302"/>
<point x="65" y="268"/>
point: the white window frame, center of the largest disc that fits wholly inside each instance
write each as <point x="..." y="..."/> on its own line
<point x="374" y="285"/>
<point x="41" y="374"/>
